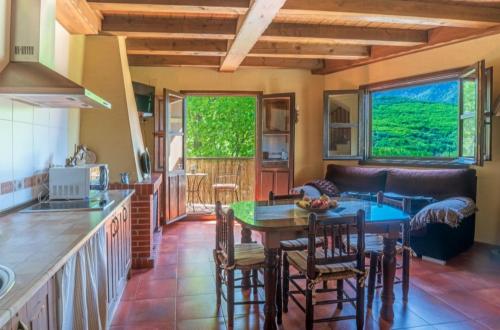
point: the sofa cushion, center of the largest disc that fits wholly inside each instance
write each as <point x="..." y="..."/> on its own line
<point x="354" y="178"/>
<point x="439" y="184"/>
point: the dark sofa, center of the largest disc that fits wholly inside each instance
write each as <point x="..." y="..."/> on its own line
<point x="438" y="241"/>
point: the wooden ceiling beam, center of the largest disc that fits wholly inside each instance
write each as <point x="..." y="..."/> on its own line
<point x="161" y="27"/>
<point x="256" y="20"/>
<point x="438" y="37"/>
<point x="287" y="32"/>
<point x="230" y="8"/>
<point x="195" y="47"/>
<point x="77" y="17"/>
<point x="214" y="62"/>
<point x="261" y="49"/>
<point x="196" y="28"/>
<point x="396" y="11"/>
<point x="317" y="51"/>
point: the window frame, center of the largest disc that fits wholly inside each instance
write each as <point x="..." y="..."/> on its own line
<point x="326" y="126"/>
<point x="429" y="78"/>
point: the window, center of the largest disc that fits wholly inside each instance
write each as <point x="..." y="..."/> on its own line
<point x="439" y="118"/>
<point x="341" y="125"/>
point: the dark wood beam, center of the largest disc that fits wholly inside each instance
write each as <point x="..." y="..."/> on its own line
<point x="287" y="32"/>
<point x="438" y="37"/>
<point x="172" y="27"/>
<point x="198" y="47"/>
<point x="396" y="11"/>
<point x="214" y="62"/>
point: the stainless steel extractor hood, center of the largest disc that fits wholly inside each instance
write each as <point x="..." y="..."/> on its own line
<point x="28" y="76"/>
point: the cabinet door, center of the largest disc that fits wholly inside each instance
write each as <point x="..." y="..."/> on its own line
<point x="282" y="183"/>
<point x="126" y="238"/>
<point x="116" y="255"/>
<point x="112" y="256"/>
<point x="266" y="184"/>
<point x="20" y="320"/>
<point x="38" y="310"/>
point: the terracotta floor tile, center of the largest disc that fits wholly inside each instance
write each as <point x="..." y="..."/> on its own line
<point x="138" y="312"/>
<point x="463" y="294"/>
<point x="161" y="288"/>
<point x="202" y="324"/>
<point x="197" y="307"/>
<point x="466" y="325"/>
<point x="190" y="286"/>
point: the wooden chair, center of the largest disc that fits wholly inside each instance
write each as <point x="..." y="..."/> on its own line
<point x="227" y="182"/>
<point x="332" y="264"/>
<point x="374" y="247"/>
<point x="229" y="257"/>
<point x="299" y="244"/>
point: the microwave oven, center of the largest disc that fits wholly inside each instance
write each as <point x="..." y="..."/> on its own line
<point x="77" y="182"/>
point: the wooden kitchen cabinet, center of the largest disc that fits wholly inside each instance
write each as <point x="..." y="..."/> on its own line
<point x="40" y="313"/>
<point x="119" y="254"/>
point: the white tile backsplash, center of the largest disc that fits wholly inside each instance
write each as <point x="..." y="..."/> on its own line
<point x="41" y="148"/>
<point x="23" y="150"/>
<point x="6" y="169"/>
<point x="31" y="139"/>
<point x="22" y="112"/>
<point x="5" y="108"/>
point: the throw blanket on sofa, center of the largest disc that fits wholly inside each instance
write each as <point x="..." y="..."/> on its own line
<point x="449" y="211"/>
<point x="325" y="187"/>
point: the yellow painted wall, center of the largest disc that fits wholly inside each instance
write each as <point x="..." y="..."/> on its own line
<point x="308" y="92"/>
<point x="462" y="54"/>
<point x="115" y="134"/>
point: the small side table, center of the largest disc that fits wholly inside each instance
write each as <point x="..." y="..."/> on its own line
<point x="195" y="180"/>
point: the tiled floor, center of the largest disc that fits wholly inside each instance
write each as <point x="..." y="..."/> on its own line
<point x="179" y="292"/>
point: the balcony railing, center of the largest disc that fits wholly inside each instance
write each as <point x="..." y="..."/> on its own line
<point x="214" y="167"/>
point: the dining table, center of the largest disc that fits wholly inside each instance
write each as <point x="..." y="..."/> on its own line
<point x="285" y="220"/>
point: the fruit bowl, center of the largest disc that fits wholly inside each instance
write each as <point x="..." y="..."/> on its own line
<point x="319" y="205"/>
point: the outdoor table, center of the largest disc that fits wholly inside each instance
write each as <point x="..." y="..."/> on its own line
<point x="195" y="181"/>
<point x="286" y="221"/>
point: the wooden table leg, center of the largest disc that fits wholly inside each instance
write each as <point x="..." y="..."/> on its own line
<point x="270" y="288"/>
<point x="389" y="272"/>
<point x="246" y="237"/>
<point x="406" y="261"/>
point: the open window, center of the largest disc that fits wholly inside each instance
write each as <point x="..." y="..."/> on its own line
<point x="442" y="118"/>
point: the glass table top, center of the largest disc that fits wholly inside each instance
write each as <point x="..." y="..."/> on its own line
<point x="287" y="215"/>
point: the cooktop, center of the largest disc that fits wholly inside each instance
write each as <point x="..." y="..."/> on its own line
<point x="70" y="205"/>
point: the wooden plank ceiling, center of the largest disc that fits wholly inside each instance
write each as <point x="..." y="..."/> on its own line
<point x="320" y="35"/>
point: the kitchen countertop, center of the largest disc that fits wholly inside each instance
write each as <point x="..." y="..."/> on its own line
<point x="36" y="245"/>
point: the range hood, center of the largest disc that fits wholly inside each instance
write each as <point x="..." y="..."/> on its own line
<point x="29" y="77"/>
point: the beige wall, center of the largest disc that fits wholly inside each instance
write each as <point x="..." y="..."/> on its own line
<point x="308" y="91"/>
<point x="115" y="135"/>
<point x="462" y="54"/>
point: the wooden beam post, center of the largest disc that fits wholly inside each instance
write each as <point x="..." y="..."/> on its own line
<point x="255" y="22"/>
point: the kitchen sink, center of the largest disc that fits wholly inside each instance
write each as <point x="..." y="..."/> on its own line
<point x="7" y="279"/>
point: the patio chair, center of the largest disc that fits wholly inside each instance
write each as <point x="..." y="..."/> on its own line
<point x="227" y="182"/>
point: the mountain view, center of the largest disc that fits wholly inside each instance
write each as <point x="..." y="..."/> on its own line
<point x="419" y="121"/>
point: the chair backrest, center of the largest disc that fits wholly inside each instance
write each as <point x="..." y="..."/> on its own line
<point x="224" y="233"/>
<point x="403" y="204"/>
<point x="273" y="197"/>
<point x="228" y="177"/>
<point x="337" y="250"/>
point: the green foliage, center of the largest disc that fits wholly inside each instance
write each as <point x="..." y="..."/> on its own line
<point x="220" y="126"/>
<point x="409" y="128"/>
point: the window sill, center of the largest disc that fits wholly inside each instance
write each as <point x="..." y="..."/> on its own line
<point x="416" y="163"/>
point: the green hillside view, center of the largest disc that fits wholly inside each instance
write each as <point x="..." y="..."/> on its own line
<point x="403" y="127"/>
<point x="220" y="126"/>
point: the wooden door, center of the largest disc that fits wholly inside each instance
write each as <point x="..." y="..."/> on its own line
<point x="175" y="156"/>
<point x="275" y="145"/>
